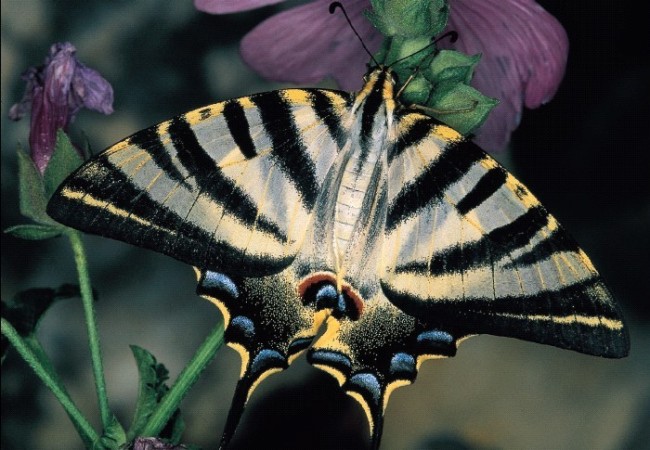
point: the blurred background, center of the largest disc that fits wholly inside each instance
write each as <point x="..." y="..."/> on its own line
<point x="584" y="155"/>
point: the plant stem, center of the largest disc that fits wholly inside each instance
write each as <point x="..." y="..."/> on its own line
<point x="35" y="357"/>
<point x="91" y="324"/>
<point x="190" y="374"/>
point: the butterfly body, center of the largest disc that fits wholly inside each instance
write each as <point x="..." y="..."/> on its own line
<point x="306" y="208"/>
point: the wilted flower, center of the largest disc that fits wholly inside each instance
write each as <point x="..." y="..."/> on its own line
<point x="524" y="50"/>
<point x="55" y="93"/>
<point x="151" y="443"/>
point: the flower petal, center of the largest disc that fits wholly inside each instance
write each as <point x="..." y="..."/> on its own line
<point x="307" y="44"/>
<point x="92" y="90"/>
<point x="32" y="78"/>
<point x="231" y="6"/>
<point x="524" y="56"/>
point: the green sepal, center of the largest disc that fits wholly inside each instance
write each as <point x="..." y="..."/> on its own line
<point x="34" y="232"/>
<point x="151" y="390"/>
<point x="114" y="437"/>
<point x="26" y="308"/>
<point x="64" y="161"/>
<point x="460" y="106"/>
<point x="408" y="18"/>
<point x="31" y="193"/>
<point x="452" y="66"/>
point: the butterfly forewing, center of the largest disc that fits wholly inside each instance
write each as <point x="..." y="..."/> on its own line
<point x="468" y="244"/>
<point x="230" y="185"/>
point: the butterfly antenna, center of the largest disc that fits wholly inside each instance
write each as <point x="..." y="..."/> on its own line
<point x="333" y="7"/>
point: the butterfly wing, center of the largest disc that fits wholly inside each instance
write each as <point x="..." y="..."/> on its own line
<point x="469" y="248"/>
<point x="466" y="250"/>
<point x="230" y="189"/>
<point x="231" y="185"/>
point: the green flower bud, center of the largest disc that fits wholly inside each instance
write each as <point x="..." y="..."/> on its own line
<point x="450" y="65"/>
<point x="409" y="18"/>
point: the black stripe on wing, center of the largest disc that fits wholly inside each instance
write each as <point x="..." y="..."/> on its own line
<point x="211" y="180"/>
<point x="486" y="186"/>
<point x="579" y="317"/>
<point x="493" y="246"/>
<point x="288" y="148"/>
<point x="238" y="126"/>
<point x="413" y="136"/>
<point x="148" y="140"/>
<point x="432" y="182"/>
<point x="558" y="241"/>
<point x="327" y="112"/>
<point x="145" y="222"/>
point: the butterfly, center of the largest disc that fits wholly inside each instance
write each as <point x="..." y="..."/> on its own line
<point x="311" y="209"/>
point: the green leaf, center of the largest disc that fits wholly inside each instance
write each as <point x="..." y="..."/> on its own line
<point x="26" y="309"/>
<point x="34" y="232"/>
<point x="114" y="437"/>
<point x="151" y="390"/>
<point x="32" y="198"/>
<point x="461" y="107"/>
<point x="64" y="161"/>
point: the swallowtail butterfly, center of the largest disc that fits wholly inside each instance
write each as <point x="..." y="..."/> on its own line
<point x="305" y="209"/>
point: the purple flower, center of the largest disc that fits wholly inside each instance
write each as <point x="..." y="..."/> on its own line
<point x="55" y="93"/>
<point x="151" y="443"/>
<point x="524" y="50"/>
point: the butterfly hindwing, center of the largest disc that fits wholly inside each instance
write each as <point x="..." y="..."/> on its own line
<point x="377" y="353"/>
<point x="266" y="321"/>
<point x="469" y="244"/>
<point x="229" y="185"/>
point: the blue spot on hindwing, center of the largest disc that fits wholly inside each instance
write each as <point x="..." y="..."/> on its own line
<point x="243" y="325"/>
<point x="267" y="359"/>
<point x="219" y="283"/>
<point x="436" y="342"/>
<point x="326" y="297"/>
<point x="436" y="336"/>
<point x="299" y="345"/>
<point x="367" y="382"/>
<point x="337" y="360"/>
<point x="402" y="365"/>
<point x="341" y="305"/>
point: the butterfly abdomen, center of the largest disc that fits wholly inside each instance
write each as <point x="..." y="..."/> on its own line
<point x="356" y="183"/>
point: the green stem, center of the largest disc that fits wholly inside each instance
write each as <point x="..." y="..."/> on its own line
<point x="170" y="402"/>
<point x="91" y="324"/>
<point x="35" y="357"/>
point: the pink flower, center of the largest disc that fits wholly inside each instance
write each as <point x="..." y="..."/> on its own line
<point x="55" y="93"/>
<point x="524" y="50"/>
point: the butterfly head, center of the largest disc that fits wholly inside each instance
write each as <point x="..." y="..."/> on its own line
<point x="377" y="93"/>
